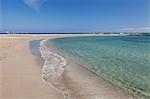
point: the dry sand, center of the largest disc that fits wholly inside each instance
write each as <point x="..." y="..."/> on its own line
<point x="20" y="75"/>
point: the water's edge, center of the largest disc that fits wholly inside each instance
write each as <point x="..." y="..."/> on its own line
<point x="54" y="66"/>
<point x="123" y="85"/>
<point x="65" y="91"/>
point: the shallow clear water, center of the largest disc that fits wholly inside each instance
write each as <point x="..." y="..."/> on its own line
<point x="123" y="59"/>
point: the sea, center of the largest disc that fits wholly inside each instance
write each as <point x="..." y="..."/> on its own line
<point x="123" y="60"/>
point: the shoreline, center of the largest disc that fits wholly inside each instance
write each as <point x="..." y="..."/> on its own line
<point x="76" y="77"/>
<point x="137" y="94"/>
<point x="53" y="67"/>
<point x="99" y="77"/>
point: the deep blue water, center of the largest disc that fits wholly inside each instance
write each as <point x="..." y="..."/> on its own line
<point x="124" y="60"/>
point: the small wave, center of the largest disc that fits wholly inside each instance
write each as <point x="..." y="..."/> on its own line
<point x="53" y="68"/>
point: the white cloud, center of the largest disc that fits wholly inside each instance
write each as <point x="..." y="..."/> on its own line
<point x="35" y="4"/>
<point x="137" y="29"/>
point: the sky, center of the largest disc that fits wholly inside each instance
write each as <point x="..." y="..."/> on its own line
<point x="53" y="16"/>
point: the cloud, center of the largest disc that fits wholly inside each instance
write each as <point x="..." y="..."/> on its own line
<point x="35" y="4"/>
<point x="137" y="29"/>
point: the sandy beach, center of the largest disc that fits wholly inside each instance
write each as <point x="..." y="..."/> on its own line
<point x="20" y="76"/>
<point x="20" y="73"/>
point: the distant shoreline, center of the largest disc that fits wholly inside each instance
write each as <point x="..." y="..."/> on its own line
<point x="103" y="33"/>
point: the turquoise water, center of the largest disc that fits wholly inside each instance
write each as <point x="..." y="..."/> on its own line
<point x="125" y="60"/>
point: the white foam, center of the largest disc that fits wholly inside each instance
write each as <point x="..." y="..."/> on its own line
<point x="53" y="68"/>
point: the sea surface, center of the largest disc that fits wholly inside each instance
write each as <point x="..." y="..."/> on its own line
<point x="123" y="60"/>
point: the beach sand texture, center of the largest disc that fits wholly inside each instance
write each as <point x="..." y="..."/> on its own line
<point x="20" y="75"/>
